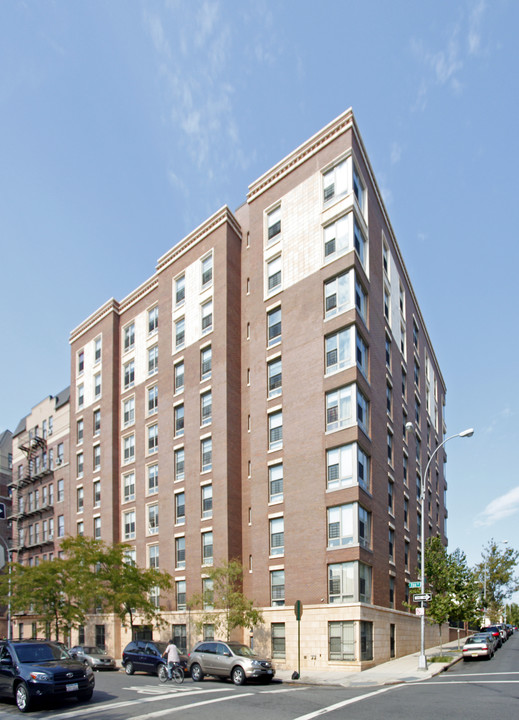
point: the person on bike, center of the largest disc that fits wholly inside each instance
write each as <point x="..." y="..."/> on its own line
<point x="172" y="656"/>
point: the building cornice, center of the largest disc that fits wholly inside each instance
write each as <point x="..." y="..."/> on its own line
<point x="110" y="306"/>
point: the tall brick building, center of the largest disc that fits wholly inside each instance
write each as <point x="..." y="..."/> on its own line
<point x="250" y="400"/>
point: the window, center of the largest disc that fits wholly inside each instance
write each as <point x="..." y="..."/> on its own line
<point x="80" y="395"/>
<point x="97" y="350"/>
<point x="205" y="363"/>
<point x="207" y="548"/>
<point x="336" y="181"/>
<point x="389" y="399"/>
<point x="361" y="300"/>
<point x="337" y="238"/>
<point x="274" y="377"/>
<point x="80" y="362"/>
<point x="340" y="467"/>
<point x="275" y="421"/>
<point x="153" y="519"/>
<point x="390" y="447"/>
<point x="366" y="641"/>
<point x="207" y="501"/>
<point x="153" y="438"/>
<point x="391" y="544"/>
<point x="274" y="326"/>
<point x="61" y="526"/>
<point x="277" y="633"/>
<point x="274" y="274"/>
<point x="129" y="337"/>
<point x="359" y="189"/>
<point x="96" y="487"/>
<point x="96" y="453"/>
<point x="80" y="528"/>
<point x="277" y="536"/>
<point x="415" y="335"/>
<point x="416" y="374"/>
<point x="96" y="422"/>
<point x="405" y="463"/>
<point x="340" y="406"/>
<point x="339" y="350"/>
<point x="338" y="294"/>
<point x="178" y="416"/>
<point x="341" y="582"/>
<point x="179" y="464"/>
<point x="390" y="496"/>
<point x="208" y="593"/>
<point x="153" y="320"/>
<point x="79" y="430"/>
<point x="387" y="303"/>
<point x="153" y="479"/>
<point x="276" y="483"/>
<point x="178" y="377"/>
<point x="349" y="524"/>
<point x="153" y="400"/>
<point x="80" y="499"/>
<point x="206" y="449"/>
<point x="402" y="339"/>
<point x="153" y="556"/>
<point x="207" y="317"/>
<point x="207" y="271"/>
<point x="180" y="333"/>
<point x="129" y="525"/>
<point x="341" y="640"/>
<point x="180" y="553"/>
<point x="129" y="374"/>
<point x="79" y="465"/>
<point x="359" y="242"/>
<point x="180" y="508"/>
<point x="129" y="487"/>
<point x="97" y="385"/>
<point x="129" y="448"/>
<point x="274" y="224"/>
<point x="129" y="411"/>
<point x="180" y="290"/>
<point x="206" y="408"/>
<point x="180" y="592"/>
<point x="277" y="587"/>
<point x="153" y="360"/>
<point x="97" y="528"/>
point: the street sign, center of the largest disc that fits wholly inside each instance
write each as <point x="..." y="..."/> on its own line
<point x="420" y="611"/>
<point x="415" y="585"/>
<point x="422" y="596"/>
<point x="298" y="609"/>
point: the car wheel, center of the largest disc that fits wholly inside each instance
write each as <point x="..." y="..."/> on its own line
<point x="129" y="669"/>
<point x="23" y="699"/>
<point x="85" y="695"/>
<point x="238" y="675"/>
<point x="196" y="673"/>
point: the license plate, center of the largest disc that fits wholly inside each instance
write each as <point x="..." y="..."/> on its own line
<point x="475" y="655"/>
<point x="72" y="687"/>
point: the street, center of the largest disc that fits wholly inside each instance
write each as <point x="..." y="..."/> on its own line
<point x="479" y="690"/>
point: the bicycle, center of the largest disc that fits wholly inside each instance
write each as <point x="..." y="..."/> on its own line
<point x="177" y="674"/>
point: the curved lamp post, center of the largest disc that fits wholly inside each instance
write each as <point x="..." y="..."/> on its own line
<point x="422" y="660"/>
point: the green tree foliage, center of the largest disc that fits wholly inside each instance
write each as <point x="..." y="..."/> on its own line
<point x="496" y="578"/>
<point x="512" y="614"/>
<point x="223" y="603"/>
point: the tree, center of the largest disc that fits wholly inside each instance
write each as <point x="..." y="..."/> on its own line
<point x="512" y="614"/>
<point x="223" y="603"/>
<point x="496" y="577"/>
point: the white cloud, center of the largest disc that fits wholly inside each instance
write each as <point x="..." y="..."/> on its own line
<point x="502" y="507"/>
<point x="474" y="34"/>
<point x="396" y="153"/>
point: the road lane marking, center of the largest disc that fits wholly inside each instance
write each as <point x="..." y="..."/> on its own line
<point x="485" y="674"/>
<point x="168" y="711"/>
<point x="476" y="682"/>
<point x="342" y="704"/>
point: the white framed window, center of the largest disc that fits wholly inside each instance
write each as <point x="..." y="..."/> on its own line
<point x="179" y="464"/>
<point x="178" y="381"/>
<point x="361" y="354"/>
<point x="338" y="294"/>
<point x="277" y="587"/>
<point x="180" y="508"/>
<point x="349" y="582"/>
<point x="97" y="350"/>
<point x="339" y="349"/>
<point x="206" y="451"/>
<point x="348" y="524"/>
<point x="276" y="483"/>
<point x="180" y="333"/>
<point x="80" y="395"/>
<point x="180" y="290"/>
<point x="153" y="399"/>
<point x="80" y="362"/>
<point x="80" y="499"/>
<point x="277" y="536"/>
<point x="359" y="189"/>
<point x="361" y="301"/>
<point x="96" y="454"/>
<point x="359" y="242"/>
<point x="153" y="320"/>
<point x="60" y="494"/>
<point x="129" y="411"/>
<point x="153" y="360"/>
<point x="153" y="479"/>
<point x="180" y="553"/>
<point x="129" y="525"/>
<point x="96" y="422"/>
<point x="274" y="377"/>
<point x="153" y="438"/>
<point x="206" y="362"/>
<point x="336" y="181"/>
<point x="207" y="548"/>
<point x="274" y="326"/>
<point x="129" y="448"/>
<point x="96" y="493"/>
<point x="129" y="487"/>
<point x="129" y="374"/>
<point x="274" y="267"/>
<point x="336" y="237"/>
<point x="80" y="528"/>
<point x="153" y="519"/>
<point x="61" y="526"/>
<point x="97" y="528"/>
<point x="207" y="271"/>
<point x="206" y="408"/>
<point x="278" y="640"/>
<point x="207" y="501"/>
<point x="153" y="556"/>
<point x="79" y="465"/>
<point x="129" y="337"/>
<point x="97" y="385"/>
<point x="207" y="317"/>
<point x="79" y="431"/>
<point x="275" y="423"/>
<point x="180" y="593"/>
<point x="274" y="225"/>
<point x="178" y="417"/>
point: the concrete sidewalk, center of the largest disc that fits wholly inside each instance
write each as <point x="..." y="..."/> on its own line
<point x="400" y="670"/>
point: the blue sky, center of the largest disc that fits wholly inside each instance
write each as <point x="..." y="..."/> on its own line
<point x="124" y="124"/>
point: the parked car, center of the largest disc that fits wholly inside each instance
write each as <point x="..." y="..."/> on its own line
<point x="146" y="656"/>
<point x="477" y="646"/>
<point x="496" y="632"/>
<point x="493" y="639"/>
<point x="96" y="657"/>
<point x="38" y="669"/>
<point x="228" y="659"/>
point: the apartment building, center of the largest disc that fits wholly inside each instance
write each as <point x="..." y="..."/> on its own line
<point x="250" y="400"/>
<point x="6" y="466"/>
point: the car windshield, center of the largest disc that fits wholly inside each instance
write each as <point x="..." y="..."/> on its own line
<point x="243" y="650"/>
<point x="40" y="652"/>
<point x="89" y="650"/>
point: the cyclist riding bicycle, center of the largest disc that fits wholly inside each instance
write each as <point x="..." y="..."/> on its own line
<point x="172" y="656"/>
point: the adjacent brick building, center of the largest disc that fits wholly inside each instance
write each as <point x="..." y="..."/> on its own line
<point x="250" y="400"/>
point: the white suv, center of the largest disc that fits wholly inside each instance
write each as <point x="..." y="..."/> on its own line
<point x="228" y="659"/>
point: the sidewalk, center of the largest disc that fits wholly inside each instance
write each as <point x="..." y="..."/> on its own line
<point x="401" y="670"/>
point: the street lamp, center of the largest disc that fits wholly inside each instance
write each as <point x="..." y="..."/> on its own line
<point x="422" y="660"/>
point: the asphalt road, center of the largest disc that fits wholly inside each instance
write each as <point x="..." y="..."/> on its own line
<point x="480" y="690"/>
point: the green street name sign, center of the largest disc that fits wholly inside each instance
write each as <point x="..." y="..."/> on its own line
<point x="417" y="584"/>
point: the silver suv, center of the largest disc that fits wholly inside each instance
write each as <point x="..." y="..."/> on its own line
<point x="228" y="659"/>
